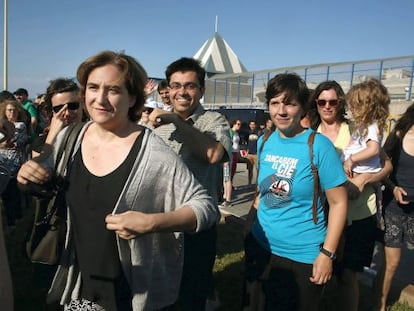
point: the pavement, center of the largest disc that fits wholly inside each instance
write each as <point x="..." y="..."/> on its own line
<point x="242" y="198"/>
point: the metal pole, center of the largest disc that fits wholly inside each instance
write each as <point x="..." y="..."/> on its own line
<point x="5" y="48"/>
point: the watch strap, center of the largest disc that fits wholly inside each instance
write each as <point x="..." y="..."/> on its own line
<point x="324" y="251"/>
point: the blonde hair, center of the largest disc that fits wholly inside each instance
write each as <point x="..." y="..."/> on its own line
<point x="370" y="102"/>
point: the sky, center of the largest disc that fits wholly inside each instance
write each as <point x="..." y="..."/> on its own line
<point x="48" y="39"/>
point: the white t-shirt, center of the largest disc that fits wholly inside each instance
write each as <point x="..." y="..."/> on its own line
<point x="235" y="142"/>
<point x="359" y="143"/>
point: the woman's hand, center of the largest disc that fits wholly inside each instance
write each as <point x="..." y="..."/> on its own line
<point x="130" y="225"/>
<point x="57" y="123"/>
<point x="322" y="270"/>
<point x="399" y="194"/>
<point x="31" y="171"/>
<point x="348" y="164"/>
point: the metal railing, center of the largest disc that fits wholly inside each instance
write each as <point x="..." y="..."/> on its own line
<point x="248" y="89"/>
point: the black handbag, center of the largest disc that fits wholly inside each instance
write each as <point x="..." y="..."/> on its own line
<point x="48" y="232"/>
<point x="47" y="236"/>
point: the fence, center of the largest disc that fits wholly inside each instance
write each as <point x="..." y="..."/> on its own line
<point x="248" y="89"/>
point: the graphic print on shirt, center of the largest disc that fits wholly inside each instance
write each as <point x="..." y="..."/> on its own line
<point x="277" y="187"/>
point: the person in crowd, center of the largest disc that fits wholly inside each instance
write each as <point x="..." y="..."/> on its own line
<point x="7" y="137"/>
<point x="149" y="106"/>
<point x="227" y="186"/>
<point x="228" y="167"/>
<point x="43" y="119"/>
<point x="269" y="128"/>
<point x="327" y="115"/>
<point x="6" y="286"/>
<point x="14" y="153"/>
<point x="12" y="111"/>
<point x="39" y="99"/>
<point x="6" y="95"/>
<point x="164" y="93"/>
<point x="251" y="156"/>
<point x="201" y="138"/>
<point x="235" y="147"/>
<point x="229" y="170"/>
<point x="62" y="106"/>
<point x="124" y="247"/>
<point x="262" y="126"/>
<point x="25" y="117"/>
<point x="22" y="97"/>
<point x="290" y="235"/>
<point x="399" y="212"/>
<point x="369" y="103"/>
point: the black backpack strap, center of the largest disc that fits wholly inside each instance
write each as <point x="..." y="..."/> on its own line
<point x="315" y="174"/>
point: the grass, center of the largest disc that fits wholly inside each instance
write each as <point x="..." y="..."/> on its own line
<point x="30" y="281"/>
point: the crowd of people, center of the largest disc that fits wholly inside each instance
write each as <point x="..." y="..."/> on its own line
<point x="150" y="244"/>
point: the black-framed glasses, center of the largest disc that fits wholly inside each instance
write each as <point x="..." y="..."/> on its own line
<point x="189" y="86"/>
<point x="71" y="106"/>
<point x="331" y="102"/>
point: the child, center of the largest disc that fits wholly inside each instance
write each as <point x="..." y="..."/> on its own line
<point x="369" y="104"/>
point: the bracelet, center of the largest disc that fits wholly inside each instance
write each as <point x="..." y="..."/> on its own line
<point x="332" y="256"/>
<point x="350" y="159"/>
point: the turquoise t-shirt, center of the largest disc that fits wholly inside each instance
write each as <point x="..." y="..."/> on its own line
<point x="285" y="224"/>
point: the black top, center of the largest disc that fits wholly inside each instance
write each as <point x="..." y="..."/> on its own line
<point x="91" y="199"/>
<point x="404" y="174"/>
<point x="251" y="139"/>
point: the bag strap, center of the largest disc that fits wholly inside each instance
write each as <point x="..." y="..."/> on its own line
<point x="315" y="174"/>
<point x="266" y="136"/>
<point x="67" y="146"/>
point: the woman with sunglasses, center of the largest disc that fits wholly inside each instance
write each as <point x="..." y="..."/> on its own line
<point x="62" y="104"/>
<point x="149" y="107"/>
<point x="328" y="116"/>
<point x="129" y="198"/>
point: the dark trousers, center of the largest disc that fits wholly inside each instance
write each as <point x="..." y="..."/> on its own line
<point x="11" y="202"/>
<point x="278" y="283"/>
<point x="197" y="278"/>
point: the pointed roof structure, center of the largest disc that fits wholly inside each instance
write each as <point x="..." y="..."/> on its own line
<point x="216" y="56"/>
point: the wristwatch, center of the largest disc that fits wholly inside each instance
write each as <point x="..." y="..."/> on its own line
<point x="332" y="256"/>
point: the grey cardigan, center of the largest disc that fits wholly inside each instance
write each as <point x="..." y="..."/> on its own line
<point x="159" y="182"/>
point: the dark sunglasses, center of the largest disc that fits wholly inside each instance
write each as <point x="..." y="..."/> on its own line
<point x="331" y="103"/>
<point x="148" y="110"/>
<point x="71" y="106"/>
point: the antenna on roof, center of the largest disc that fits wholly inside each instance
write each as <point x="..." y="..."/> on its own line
<point x="216" y="26"/>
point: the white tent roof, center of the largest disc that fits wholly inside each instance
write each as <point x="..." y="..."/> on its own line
<point x="216" y="56"/>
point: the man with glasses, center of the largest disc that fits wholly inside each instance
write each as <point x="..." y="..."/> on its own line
<point x="202" y="140"/>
